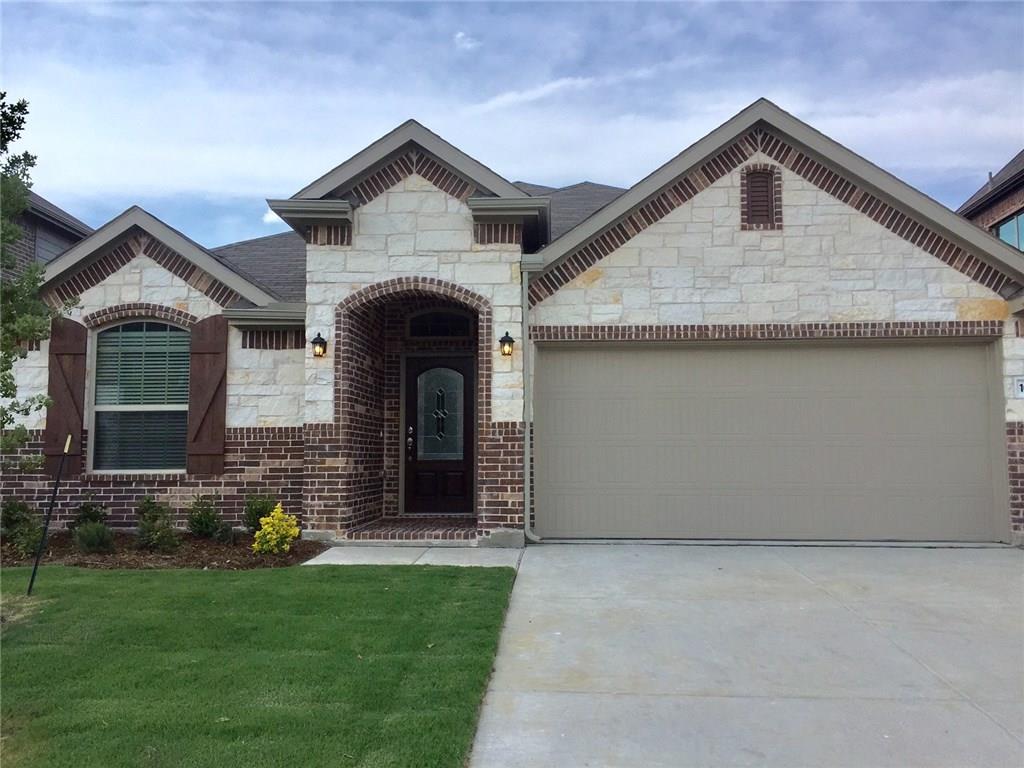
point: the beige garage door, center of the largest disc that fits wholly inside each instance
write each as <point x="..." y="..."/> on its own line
<point x="870" y="442"/>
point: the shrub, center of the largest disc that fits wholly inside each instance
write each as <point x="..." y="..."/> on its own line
<point x="90" y="511"/>
<point x="225" y="534"/>
<point x="13" y="513"/>
<point x="203" y="518"/>
<point x="156" y="531"/>
<point x="93" y="537"/>
<point x="256" y="508"/>
<point x="20" y="526"/>
<point x="277" y="532"/>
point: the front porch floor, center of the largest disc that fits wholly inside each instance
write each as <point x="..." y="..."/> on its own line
<point x="423" y="529"/>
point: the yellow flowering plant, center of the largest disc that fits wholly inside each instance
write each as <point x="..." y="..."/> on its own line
<point x="277" y="532"/>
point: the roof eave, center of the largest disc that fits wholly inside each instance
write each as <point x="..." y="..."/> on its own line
<point x="280" y="314"/>
<point x="137" y="217"/>
<point x="409" y="132"/>
<point x="1000" y="190"/>
<point x="299" y="214"/>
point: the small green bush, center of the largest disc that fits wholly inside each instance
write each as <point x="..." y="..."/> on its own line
<point x="156" y="530"/>
<point x="203" y="518"/>
<point x="90" y="511"/>
<point x="20" y="527"/>
<point x="13" y="513"/>
<point x="94" y="537"/>
<point x="225" y="534"/>
<point x="256" y="508"/>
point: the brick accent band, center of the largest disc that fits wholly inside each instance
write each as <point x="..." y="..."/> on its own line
<point x="689" y="184"/>
<point x="278" y="338"/>
<point x="139" y="309"/>
<point x="487" y="232"/>
<point x="770" y="331"/>
<point x="776" y="223"/>
<point x="329" y="234"/>
<point x="139" y="243"/>
<point x="406" y="164"/>
<point x="1015" y="466"/>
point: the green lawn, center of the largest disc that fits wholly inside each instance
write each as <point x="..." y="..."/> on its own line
<point x="326" y="666"/>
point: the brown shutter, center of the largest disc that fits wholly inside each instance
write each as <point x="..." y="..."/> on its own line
<point x="760" y="200"/>
<point x="207" y="396"/>
<point x="66" y="388"/>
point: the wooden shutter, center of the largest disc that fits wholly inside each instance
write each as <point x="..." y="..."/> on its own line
<point x="66" y="388"/>
<point x="760" y="197"/>
<point x="207" y="396"/>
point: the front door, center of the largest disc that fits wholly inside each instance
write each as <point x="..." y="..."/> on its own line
<point x="438" y="435"/>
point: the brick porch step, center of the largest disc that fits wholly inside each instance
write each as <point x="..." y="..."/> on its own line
<point x="425" y="529"/>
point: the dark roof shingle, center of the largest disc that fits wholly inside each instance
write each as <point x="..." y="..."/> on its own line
<point x="277" y="262"/>
<point x="1005" y="174"/>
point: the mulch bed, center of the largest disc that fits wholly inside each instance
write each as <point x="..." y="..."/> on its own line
<point x="194" y="552"/>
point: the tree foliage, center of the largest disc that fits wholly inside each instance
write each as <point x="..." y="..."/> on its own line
<point x="24" y="317"/>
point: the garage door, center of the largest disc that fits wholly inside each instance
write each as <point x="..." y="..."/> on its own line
<point x="870" y="442"/>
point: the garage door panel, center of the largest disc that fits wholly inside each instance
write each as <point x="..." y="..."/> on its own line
<point x="841" y="442"/>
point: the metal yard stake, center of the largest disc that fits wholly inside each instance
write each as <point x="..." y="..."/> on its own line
<point x="49" y="514"/>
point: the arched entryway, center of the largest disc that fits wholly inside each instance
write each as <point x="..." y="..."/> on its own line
<point x="412" y="383"/>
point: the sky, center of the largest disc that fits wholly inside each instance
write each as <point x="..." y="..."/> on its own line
<point x="199" y="112"/>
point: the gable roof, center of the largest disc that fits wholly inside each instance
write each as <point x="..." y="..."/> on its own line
<point x="43" y="208"/>
<point x="409" y="132"/>
<point x="572" y="204"/>
<point x="1008" y="177"/>
<point x="828" y="152"/>
<point x="276" y="261"/>
<point x="79" y="255"/>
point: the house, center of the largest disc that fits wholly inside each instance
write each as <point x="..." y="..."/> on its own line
<point x="999" y="205"/>
<point x="768" y="337"/>
<point x="46" y="232"/>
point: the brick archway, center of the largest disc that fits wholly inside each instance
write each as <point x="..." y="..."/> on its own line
<point x="140" y="310"/>
<point x="368" y="347"/>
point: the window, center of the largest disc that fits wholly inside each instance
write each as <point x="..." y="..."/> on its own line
<point x="440" y="325"/>
<point x="1011" y="231"/>
<point x="141" y="397"/>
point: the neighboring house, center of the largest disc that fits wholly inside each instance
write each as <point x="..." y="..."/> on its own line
<point x="999" y="205"/>
<point x="46" y="232"/>
<point x="766" y="338"/>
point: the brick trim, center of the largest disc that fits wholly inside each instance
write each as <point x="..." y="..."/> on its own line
<point x="138" y="243"/>
<point x="488" y="232"/>
<point x="274" y="338"/>
<point x="1015" y="468"/>
<point x="139" y="309"/>
<point x="406" y="164"/>
<point x="776" y="173"/>
<point x="686" y="186"/>
<point x="329" y="234"/>
<point x="770" y="331"/>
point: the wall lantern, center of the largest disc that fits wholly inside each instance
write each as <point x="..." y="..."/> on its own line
<point x="319" y="344"/>
<point x="506" y="343"/>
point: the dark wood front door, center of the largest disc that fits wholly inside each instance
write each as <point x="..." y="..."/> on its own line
<point x="439" y="435"/>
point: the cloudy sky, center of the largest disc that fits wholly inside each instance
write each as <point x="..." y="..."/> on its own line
<point x="199" y="112"/>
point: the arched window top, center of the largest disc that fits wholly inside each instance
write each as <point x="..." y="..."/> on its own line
<point x="441" y="324"/>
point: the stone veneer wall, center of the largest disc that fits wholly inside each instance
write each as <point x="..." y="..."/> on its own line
<point x="266" y="460"/>
<point x="411" y="230"/>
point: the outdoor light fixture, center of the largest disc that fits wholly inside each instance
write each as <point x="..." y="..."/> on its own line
<point x="319" y="344"/>
<point x="506" y="343"/>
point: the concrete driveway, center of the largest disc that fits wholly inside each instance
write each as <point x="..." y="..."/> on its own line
<point x="647" y="655"/>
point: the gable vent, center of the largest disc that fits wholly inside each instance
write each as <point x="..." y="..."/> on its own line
<point x="759" y="197"/>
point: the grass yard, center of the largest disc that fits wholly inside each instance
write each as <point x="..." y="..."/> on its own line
<point x="320" y="666"/>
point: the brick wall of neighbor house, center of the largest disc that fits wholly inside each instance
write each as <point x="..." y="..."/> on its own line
<point x="829" y="264"/>
<point x="264" y="447"/>
<point x="1001" y="209"/>
<point x="411" y="229"/>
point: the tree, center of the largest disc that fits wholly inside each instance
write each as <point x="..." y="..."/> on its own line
<point x="24" y="316"/>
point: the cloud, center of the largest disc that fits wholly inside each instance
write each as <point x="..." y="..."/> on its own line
<point x="269" y="217"/>
<point x="170" y="102"/>
<point x="464" y="42"/>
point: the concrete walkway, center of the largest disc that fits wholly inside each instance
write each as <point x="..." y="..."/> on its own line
<point x="406" y="555"/>
<point x="645" y="655"/>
